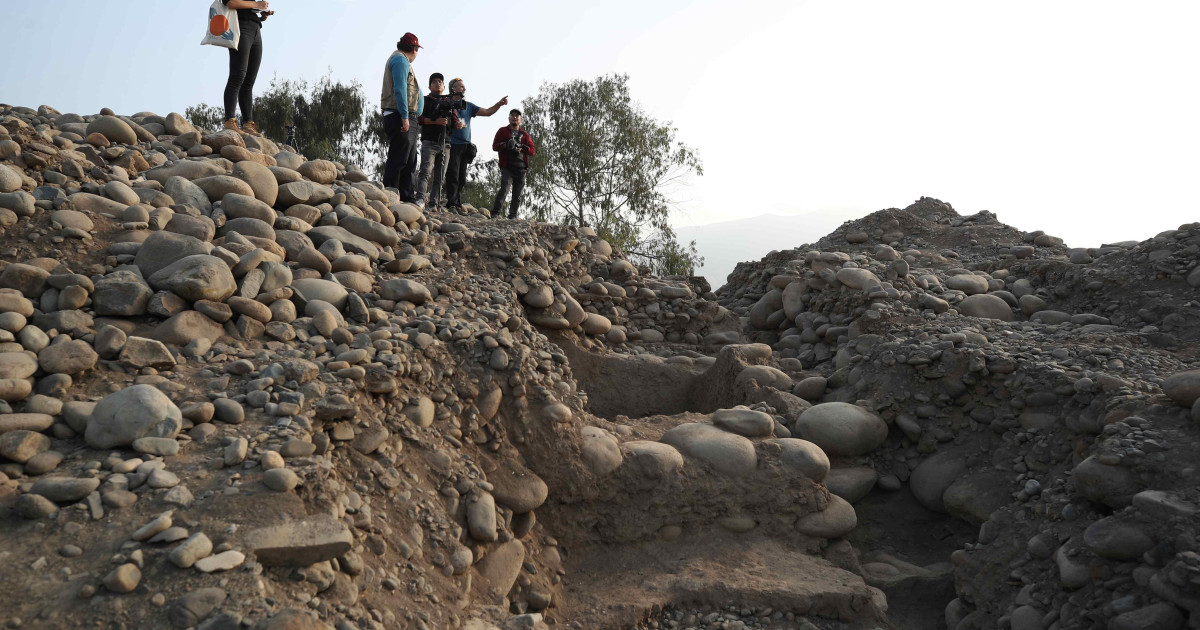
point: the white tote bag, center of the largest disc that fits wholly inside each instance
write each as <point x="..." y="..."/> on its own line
<point x="223" y="27"/>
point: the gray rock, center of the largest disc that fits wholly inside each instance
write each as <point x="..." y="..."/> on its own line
<point x="931" y="479"/>
<point x="310" y="289"/>
<point x="20" y="202"/>
<point x="112" y="128"/>
<point x="805" y="457"/>
<point x="141" y="352"/>
<point x="835" y="521"/>
<point x="21" y="446"/>
<point x="725" y="452"/>
<point x="303" y="192"/>
<point x="744" y="422"/>
<point x="184" y="192"/>
<point x="841" y="429"/>
<point x="217" y="186"/>
<point x="65" y="489"/>
<point x="71" y="357"/>
<point x="190" y="169"/>
<point x="852" y="484"/>
<point x="134" y="412"/>
<point x="189" y="610"/>
<point x="351" y="242"/>
<point x="197" y="277"/>
<point x="500" y="568"/>
<point x="1103" y="483"/>
<point x="261" y="180"/>
<point x="1160" y="616"/>
<point x="970" y="284"/>
<point x="1183" y="387"/>
<point x="300" y="543"/>
<point x="985" y="306"/>
<point x="403" y="289"/>
<point x="160" y="249"/>
<point x="238" y="206"/>
<point x="1111" y="538"/>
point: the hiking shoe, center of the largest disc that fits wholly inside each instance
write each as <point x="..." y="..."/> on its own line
<point x="231" y="123"/>
<point x="251" y="128"/>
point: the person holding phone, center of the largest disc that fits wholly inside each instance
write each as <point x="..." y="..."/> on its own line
<point x="243" y="64"/>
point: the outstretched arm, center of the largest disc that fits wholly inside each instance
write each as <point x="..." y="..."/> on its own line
<point x="247" y="4"/>
<point x="494" y="108"/>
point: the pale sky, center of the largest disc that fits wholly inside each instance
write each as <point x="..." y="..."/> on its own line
<point x="1074" y="117"/>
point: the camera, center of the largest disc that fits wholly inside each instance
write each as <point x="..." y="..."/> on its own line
<point x="514" y="144"/>
<point x="446" y="106"/>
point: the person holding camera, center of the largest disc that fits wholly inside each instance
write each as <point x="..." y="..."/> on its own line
<point x="438" y="115"/>
<point x="243" y="64"/>
<point x="515" y="147"/>
<point x="461" y="149"/>
<point x="402" y="106"/>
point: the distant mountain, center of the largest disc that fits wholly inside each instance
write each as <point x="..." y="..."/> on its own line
<point x="723" y="245"/>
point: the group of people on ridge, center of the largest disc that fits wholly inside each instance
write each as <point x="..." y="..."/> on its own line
<point x="441" y="126"/>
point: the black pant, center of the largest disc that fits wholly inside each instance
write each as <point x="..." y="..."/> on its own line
<point x="243" y="70"/>
<point x="456" y="174"/>
<point x="515" y="178"/>
<point x="400" y="170"/>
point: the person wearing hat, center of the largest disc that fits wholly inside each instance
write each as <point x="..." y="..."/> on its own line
<point x="434" y="148"/>
<point x="515" y="147"/>
<point x="402" y="107"/>
<point x="461" y="149"/>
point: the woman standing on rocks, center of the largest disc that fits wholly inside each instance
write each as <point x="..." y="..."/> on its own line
<point x="243" y="64"/>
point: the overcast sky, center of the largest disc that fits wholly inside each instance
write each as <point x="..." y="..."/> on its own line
<point x="1074" y="117"/>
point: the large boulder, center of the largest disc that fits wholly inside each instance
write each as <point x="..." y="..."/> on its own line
<point x="183" y="328"/>
<point x="261" y="180"/>
<point x="199" y="277"/>
<point x="184" y="192"/>
<point x="304" y="192"/>
<point x="238" y="206"/>
<point x="725" y="452"/>
<point x="1183" y="387"/>
<point x="968" y="283"/>
<point x="403" y="289"/>
<point x="134" y="412"/>
<point x="309" y="289"/>
<point x="161" y="248"/>
<point x="319" y="171"/>
<point x="112" y="128"/>
<point x="123" y="293"/>
<point x="218" y="186"/>
<point x="187" y="169"/>
<point x="352" y="242"/>
<point x="931" y="479"/>
<point x="985" y="306"/>
<point x="70" y="357"/>
<point x="835" y="521"/>
<point x="841" y="429"/>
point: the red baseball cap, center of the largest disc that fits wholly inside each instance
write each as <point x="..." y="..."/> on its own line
<point x="411" y="40"/>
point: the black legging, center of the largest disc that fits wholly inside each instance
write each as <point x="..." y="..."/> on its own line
<point x="243" y="70"/>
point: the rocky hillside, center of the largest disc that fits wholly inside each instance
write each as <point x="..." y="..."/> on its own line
<point x="240" y="388"/>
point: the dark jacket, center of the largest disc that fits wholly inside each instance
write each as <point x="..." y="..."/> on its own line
<point x="519" y="161"/>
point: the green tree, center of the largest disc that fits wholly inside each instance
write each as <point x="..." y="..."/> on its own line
<point x="602" y="161"/>
<point x="205" y="117"/>
<point x="331" y="120"/>
<point x="483" y="180"/>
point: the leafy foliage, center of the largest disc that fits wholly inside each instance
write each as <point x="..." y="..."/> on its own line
<point x="332" y="120"/>
<point x="602" y="161"/>
<point x="205" y="117"/>
<point x="483" y="180"/>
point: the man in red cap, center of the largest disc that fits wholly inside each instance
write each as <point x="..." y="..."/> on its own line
<point x="402" y="106"/>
